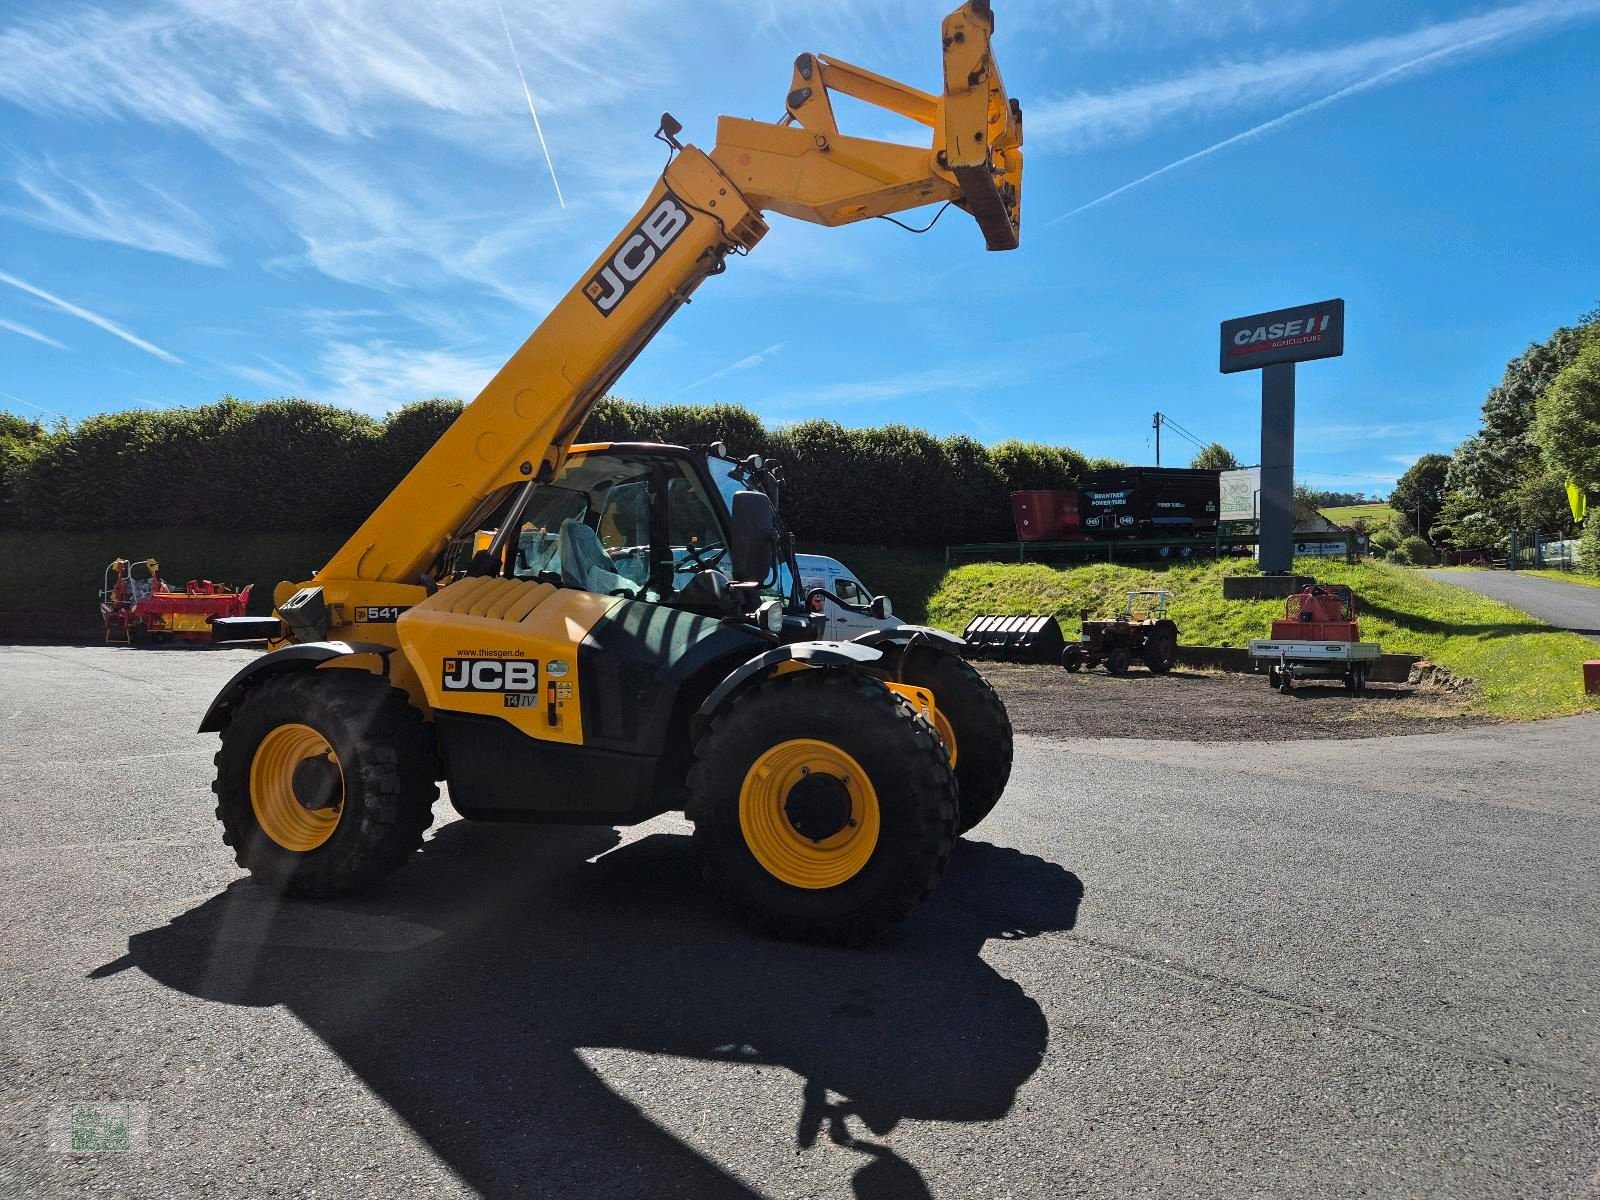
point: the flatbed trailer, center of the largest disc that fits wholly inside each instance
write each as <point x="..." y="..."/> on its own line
<point x="1290" y="660"/>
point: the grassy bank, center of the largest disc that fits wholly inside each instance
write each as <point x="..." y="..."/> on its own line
<point x="62" y="572"/>
<point x="1375" y="515"/>
<point x="1525" y="669"/>
<point x="1566" y="577"/>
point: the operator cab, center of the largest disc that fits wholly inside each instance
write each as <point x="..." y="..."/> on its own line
<point x="653" y="523"/>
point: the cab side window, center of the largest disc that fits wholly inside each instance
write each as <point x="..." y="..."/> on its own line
<point x="850" y="592"/>
<point x="625" y="518"/>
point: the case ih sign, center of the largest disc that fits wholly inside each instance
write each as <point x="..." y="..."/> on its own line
<point x="1289" y="335"/>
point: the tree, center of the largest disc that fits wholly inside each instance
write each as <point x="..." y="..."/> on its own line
<point x="1215" y="457"/>
<point x="1589" y="545"/>
<point x="1418" y="552"/>
<point x="1567" y="426"/>
<point x="1500" y="480"/>
<point x="1419" y="493"/>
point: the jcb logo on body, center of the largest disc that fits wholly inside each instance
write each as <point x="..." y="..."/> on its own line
<point x="636" y="255"/>
<point x="490" y="675"/>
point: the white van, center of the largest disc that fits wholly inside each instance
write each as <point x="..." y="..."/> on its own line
<point x="841" y="621"/>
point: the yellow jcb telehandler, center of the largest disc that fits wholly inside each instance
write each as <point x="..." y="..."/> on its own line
<point x="602" y="633"/>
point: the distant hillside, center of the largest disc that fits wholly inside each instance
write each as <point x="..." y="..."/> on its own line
<point x="1375" y="515"/>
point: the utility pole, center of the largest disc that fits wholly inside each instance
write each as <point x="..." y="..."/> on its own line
<point x="1157" y="424"/>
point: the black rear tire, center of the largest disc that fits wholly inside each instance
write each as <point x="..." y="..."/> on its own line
<point x="1161" y="651"/>
<point x="909" y="772"/>
<point x="385" y="755"/>
<point x="980" y="722"/>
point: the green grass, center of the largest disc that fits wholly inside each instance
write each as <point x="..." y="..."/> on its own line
<point x="62" y="572"/>
<point x="1375" y="515"/>
<point x="1525" y="669"/>
<point x="1565" y="577"/>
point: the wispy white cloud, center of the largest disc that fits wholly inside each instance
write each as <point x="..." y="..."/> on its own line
<point x="1486" y="33"/>
<point x="1152" y="22"/>
<point x="1087" y="119"/>
<point x="398" y="234"/>
<point x="136" y="214"/>
<point x="29" y="331"/>
<point x="302" y="101"/>
<point x="274" y="376"/>
<point x="378" y="377"/>
<point x="1358" y="433"/>
<point x="94" y="318"/>
<point x="343" y="68"/>
<point x="733" y="368"/>
<point x="904" y="386"/>
<point x="1348" y="482"/>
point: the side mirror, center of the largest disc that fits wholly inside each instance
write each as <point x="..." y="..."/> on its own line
<point x="880" y="607"/>
<point x="755" y="534"/>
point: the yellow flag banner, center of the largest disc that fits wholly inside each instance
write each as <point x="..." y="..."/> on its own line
<point x="1579" y="499"/>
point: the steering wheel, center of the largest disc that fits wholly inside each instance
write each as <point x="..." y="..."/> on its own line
<point x="694" y="560"/>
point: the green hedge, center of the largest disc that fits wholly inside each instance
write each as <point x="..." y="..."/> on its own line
<point x="294" y="465"/>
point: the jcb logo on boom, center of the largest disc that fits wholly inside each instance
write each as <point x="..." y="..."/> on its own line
<point x="490" y="675"/>
<point x="638" y="252"/>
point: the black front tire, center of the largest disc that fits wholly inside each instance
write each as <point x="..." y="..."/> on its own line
<point x="909" y="771"/>
<point x="1117" y="662"/>
<point x="979" y="720"/>
<point x="1161" y="651"/>
<point x="385" y="754"/>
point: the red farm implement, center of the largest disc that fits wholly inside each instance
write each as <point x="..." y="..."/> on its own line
<point x="136" y="604"/>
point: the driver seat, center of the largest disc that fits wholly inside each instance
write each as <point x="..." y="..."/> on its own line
<point x="585" y="563"/>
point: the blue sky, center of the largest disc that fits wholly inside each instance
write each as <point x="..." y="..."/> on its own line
<point x="347" y="200"/>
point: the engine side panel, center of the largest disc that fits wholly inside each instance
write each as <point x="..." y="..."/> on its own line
<point x="505" y="648"/>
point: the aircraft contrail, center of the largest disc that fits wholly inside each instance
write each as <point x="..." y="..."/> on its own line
<point x="1361" y="85"/>
<point x="94" y="318"/>
<point x="532" y="112"/>
<point x="49" y="412"/>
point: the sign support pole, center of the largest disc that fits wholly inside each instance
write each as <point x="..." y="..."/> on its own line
<point x="1277" y="469"/>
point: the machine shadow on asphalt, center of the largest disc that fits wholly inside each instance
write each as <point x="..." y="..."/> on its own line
<point x="462" y="991"/>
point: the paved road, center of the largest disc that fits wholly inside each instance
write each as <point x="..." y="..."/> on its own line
<point x="1573" y="606"/>
<point x="1288" y="969"/>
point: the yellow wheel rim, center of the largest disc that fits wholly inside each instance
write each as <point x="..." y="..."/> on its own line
<point x="279" y="812"/>
<point x="809" y="814"/>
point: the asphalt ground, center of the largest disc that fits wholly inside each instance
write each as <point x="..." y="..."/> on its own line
<point x="1299" y="968"/>
<point x="1570" y="606"/>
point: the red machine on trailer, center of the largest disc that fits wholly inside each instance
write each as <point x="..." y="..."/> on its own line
<point x="134" y="607"/>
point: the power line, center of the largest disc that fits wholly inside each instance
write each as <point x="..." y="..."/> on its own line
<point x="1163" y="419"/>
<point x="1182" y="432"/>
